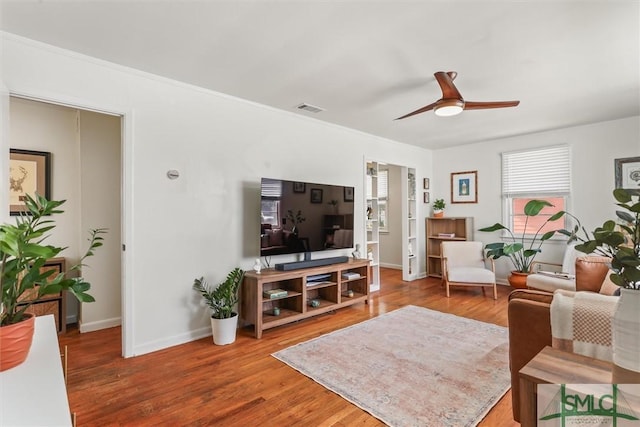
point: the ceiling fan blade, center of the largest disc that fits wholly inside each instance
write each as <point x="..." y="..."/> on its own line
<point x="418" y="111"/>
<point x="445" y="80"/>
<point x="472" y="105"/>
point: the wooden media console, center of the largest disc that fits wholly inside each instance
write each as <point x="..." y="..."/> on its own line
<point x="307" y="292"/>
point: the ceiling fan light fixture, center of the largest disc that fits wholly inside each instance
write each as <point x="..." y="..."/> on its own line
<point x="450" y="107"/>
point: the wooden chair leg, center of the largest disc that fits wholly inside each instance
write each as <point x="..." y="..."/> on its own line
<point x="495" y="291"/>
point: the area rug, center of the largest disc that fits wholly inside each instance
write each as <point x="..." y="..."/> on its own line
<point x="411" y="367"/>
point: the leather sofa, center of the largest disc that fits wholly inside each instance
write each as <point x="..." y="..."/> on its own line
<point x="530" y="322"/>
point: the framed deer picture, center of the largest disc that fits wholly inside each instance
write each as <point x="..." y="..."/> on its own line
<point x="29" y="173"/>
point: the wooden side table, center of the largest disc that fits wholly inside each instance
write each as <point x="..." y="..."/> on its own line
<point x="553" y="366"/>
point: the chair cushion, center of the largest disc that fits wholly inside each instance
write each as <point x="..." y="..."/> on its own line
<point x="549" y="283"/>
<point x="463" y="254"/>
<point x="471" y="275"/>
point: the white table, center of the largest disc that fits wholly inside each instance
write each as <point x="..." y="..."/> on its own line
<point x="34" y="393"/>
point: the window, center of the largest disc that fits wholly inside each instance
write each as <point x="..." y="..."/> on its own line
<point x="383" y="196"/>
<point x="270" y="202"/>
<point x="544" y="174"/>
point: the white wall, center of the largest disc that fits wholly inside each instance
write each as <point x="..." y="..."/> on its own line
<point x="593" y="150"/>
<point x="207" y="221"/>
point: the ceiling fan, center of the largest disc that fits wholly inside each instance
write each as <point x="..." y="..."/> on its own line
<point x="452" y="103"/>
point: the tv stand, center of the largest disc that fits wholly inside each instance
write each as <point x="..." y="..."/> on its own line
<point x="331" y="287"/>
<point x="309" y="263"/>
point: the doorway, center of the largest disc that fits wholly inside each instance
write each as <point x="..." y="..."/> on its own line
<point x="391" y="225"/>
<point x="86" y="171"/>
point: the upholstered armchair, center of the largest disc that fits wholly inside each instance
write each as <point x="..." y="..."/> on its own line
<point x="463" y="264"/>
<point x="549" y="281"/>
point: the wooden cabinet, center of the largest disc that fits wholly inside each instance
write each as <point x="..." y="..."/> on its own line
<point x="444" y="229"/>
<point x="51" y="304"/>
<point x="308" y="292"/>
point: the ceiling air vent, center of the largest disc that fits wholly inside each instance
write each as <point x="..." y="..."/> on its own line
<point x="309" y="107"/>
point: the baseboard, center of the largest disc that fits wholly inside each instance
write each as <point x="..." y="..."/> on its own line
<point x="167" y="342"/>
<point x="100" y="324"/>
<point x="392" y="266"/>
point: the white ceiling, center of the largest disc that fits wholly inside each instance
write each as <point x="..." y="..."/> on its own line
<point x="368" y="62"/>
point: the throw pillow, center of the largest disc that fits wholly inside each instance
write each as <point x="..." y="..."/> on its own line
<point x="608" y="287"/>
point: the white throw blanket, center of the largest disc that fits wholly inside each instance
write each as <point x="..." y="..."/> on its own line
<point x="581" y="322"/>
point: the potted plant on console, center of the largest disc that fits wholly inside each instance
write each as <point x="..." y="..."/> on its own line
<point x="438" y="208"/>
<point x="521" y="253"/>
<point x="222" y="300"/>
<point x="295" y="218"/>
<point x="23" y="280"/>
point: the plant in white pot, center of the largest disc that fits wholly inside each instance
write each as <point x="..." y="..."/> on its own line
<point x="222" y="300"/>
<point x="620" y="240"/>
<point x="23" y="253"/>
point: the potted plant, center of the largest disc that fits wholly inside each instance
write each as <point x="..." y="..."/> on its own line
<point x="521" y="253"/>
<point x="438" y="208"/>
<point x="222" y="300"/>
<point x="620" y="240"/>
<point x="23" y="253"/>
<point x="295" y="218"/>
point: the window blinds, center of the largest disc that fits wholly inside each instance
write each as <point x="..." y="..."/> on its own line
<point x="539" y="171"/>
<point x="271" y="188"/>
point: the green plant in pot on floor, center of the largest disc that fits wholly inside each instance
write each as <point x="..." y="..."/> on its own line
<point x="23" y="281"/>
<point x="520" y="253"/>
<point x="221" y="300"/>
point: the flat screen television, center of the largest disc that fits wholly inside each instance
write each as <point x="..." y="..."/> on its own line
<point x="304" y="217"/>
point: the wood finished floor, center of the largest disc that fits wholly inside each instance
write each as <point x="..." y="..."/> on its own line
<point x="199" y="384"/>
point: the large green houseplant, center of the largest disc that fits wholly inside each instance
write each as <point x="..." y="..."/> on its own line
<point x="522" y="250"/>
<point x="619" y="240"/>
<point x="222" y="300"/>
<point x="23" y="253"/>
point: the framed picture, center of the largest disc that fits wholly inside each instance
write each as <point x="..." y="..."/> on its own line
<point x="426" y="197"/>
<point x="299" y="187"/>
<point x="348" y="194"/>
<point x="425" y="183"/>
<point x="316" y="195"/>
<point x="29" y="173"/>
<point x="464" y="187"/>
<point x="628" y="174"/>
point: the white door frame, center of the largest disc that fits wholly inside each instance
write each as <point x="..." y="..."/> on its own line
<point x="126" y="169"/>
